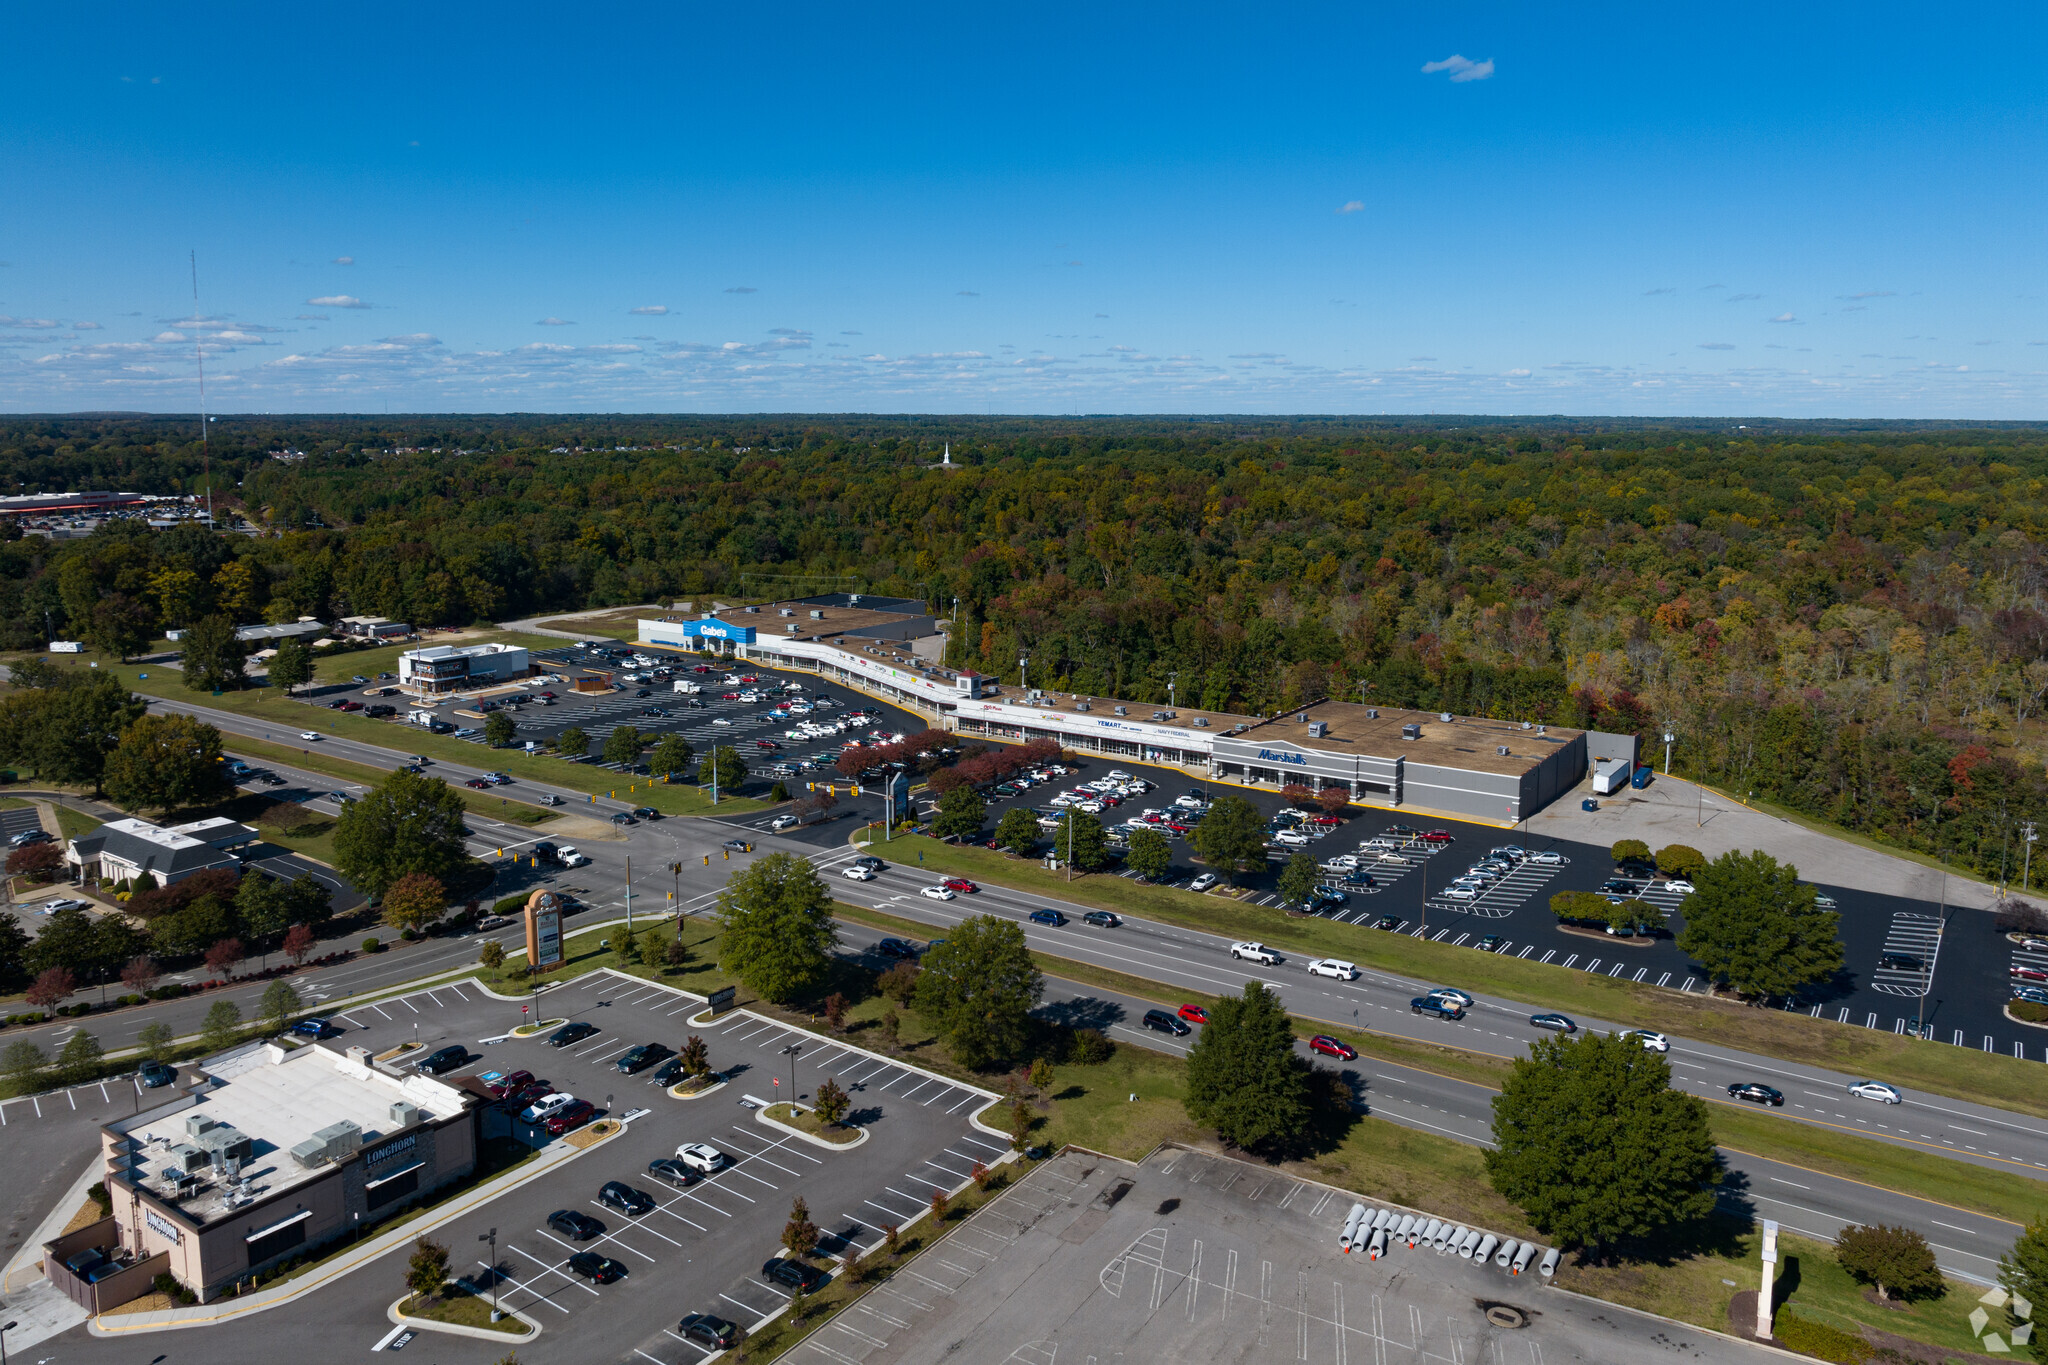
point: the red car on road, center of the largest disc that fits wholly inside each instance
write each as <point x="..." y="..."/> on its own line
<point x="960" y="884"/>
<point x="1194" y="1014"/>
<point x="1330" y="1047"/>
<point x="476" y="782"/>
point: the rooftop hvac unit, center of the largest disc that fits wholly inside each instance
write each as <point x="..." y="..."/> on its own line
<point x="1525" y="725"/>
<point x="817" y="615"/>
<point x="1302" y="716"/>
<point x="404" y="1114"/>
<point x="225" y="1144"/>
<point x="1123" y="710"/>
<point x="1199" y="723"/>
<point x="1411" y="731"/>
<point x="785" y="611"/>
<point x="1444" y="716"/>
<point x="792" y="627"/>
<point x="1372" y="713"/>
<point x="195" y="1124"/>
<point x="188" y="1158"/>
<point x="1501" y="749"/>
<point x="342" y="1138"/>
<point x="1081" y="706"/>
<point x="1317" y="729"/>
<point x="755" y="610"/>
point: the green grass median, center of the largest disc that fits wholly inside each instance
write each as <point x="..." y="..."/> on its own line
<point x="1962" y="1073"/>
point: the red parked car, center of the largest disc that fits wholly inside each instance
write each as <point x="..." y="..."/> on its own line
<point x="505" y="1085"/>
<point x="960" y="884"/>
<point x="2020" y="973"/>
<point x="1438" y="836"/>
<point x="575" y="1116"/>
<point x="1330" y="1047"/>
<point x="1326" y="821"/>
<point x="728" y="696"/>
<point x="1194" y="1014"/>
<point x="766" y="744"/>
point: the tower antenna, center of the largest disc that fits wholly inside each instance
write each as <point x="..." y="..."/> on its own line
<point x="199" y="355"/>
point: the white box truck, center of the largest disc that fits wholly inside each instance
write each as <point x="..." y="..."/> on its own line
<point x="1610" y="775"/>
<point x="685" y="685"/>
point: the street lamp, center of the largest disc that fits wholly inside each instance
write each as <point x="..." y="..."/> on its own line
<point x="492" y="1238"/>
<point x="2027" y="867"/>
<point x="1023" y="663"/>
<point x="1668" y="738"/>
<point x="790" y="1052"/>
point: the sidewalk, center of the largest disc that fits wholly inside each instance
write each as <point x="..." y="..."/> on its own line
<point x="1670" y="811"/>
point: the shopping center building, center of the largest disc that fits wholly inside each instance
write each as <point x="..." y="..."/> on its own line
<point x="1500" y="771"/>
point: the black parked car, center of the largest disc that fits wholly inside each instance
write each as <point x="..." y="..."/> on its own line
<point x="670" y="1072"/>
<point x="712" y="1331"/>
<point x="673" y="1171"/>
<point x="795" y="1274"/>
<point x="595" y="1268"/>
<point x="1756" y="1092"/>
<point x="447" y="1059"/>
<point x="571" y="1033"/>
<point x="617" y="1194"/>
<point x="639" y="1058"/>
<point x="898" y="949"/>
<point x="577" y="1227"/>
<point x="154" y="1074"/>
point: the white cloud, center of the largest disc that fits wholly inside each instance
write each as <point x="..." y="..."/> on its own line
<point x="309" y="317"/>
<point x="1784" y="317"/>
<point x="743" y="289"/>
<point x="554" y="322"/>
<point x="650" y="310"/>
<point x="1871" y="294"/>
<point x="1648" y="293"/>
<point x="1741" y="298"/>
<point x="336" y="301"/>
<point x="1462" y="69"/>
<point x="87" y="327"/>
<point x="1353" y="206"/>
<point x="1716" y="346"/>
<point x="1518" y="374"/>
<point x="33" y="324"/>
<point x="344" y="260"/>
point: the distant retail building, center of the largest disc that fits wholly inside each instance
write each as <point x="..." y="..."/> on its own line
<point x="1495" y="770"/>
<point x="442" y="669"/>
<point x="371" y="628"/>
<point x="305" y="628"/>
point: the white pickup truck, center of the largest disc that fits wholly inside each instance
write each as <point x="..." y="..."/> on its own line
<point x="1255" y="952"/>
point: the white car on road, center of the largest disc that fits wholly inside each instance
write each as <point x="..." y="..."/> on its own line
<point x="1254" y="952"/>
<point x="858" y="874"/>
<point x="1876" y="1090"/>
<point x="1451" y="993"/>
<point x="700" y="1156"/>
<point x="1651" y="1041"/>
<point x="1330" y="966"/>
<point x="936" y="893"/>
<point x="309" y="734"/>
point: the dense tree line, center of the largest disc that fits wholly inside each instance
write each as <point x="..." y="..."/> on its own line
<point x="1846" y="619"/>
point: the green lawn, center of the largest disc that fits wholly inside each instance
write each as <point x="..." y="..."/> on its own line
<point x="293" y="716"/>
<point x="74" y="822"/>
<point x="463" y="1310"/>
<point x="1964" y="1073"/>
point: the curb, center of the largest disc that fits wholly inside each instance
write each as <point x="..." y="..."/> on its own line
<point x="533" y="1328"/>
<point x="698" y="1095"/>
<point x="761" y="1117"/>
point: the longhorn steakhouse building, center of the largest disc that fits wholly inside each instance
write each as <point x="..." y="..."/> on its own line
<point x="274" y="1153"/>
<point x="1499" y="771"/>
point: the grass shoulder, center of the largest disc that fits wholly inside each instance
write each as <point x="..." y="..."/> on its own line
<point x="1961" y="1073"/>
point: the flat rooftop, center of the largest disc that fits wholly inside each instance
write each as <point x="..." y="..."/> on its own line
<point x="769" y="622"/>
<point x="278" y="1100"/>
<point x="1461" y="742"/>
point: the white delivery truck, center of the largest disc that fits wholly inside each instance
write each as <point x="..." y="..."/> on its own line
<point x="420" y="717"/>
<point x="1610" y="775"/>
<point x="685" y="685"/>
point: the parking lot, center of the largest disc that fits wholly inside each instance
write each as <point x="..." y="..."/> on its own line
<point x="1195" y="1256"/>
<point x="700" y="1248"/>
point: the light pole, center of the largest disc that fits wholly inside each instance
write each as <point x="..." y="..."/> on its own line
<point x="1668" y="738"/>
<point x="629" y="895"/>
<point x="492" y="1238"/>
<point x="1171" y="679"/>
<point x="676" y="869"/>
<point x="2027" y="867"/>
<point x="791" y="1052"/>
<point x="1023" y="663"/>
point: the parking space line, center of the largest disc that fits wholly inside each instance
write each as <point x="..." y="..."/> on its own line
<point x="526" y="1285"/>
<point x="915" y="1207"/>
<point x="971" y="1097"/>
<point x="929" y="1080"/>
<point x="643" y="1226"/>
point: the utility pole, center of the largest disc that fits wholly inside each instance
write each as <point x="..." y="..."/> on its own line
<point x="1668" y="737"/>
<point x="2027" y="869"/>
<point x="677" y="870"/>
<point x="629" y="895"/>
<point x="1023" y="663"/>
<point x="492" y="1238"/>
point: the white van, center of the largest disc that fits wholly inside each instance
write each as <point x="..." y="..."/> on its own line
<point x="685" y="685"/>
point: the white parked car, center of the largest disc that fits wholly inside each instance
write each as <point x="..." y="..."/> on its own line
<point x="1680" y="885"/>
<point x="1876" y="1090"/>
<point x="936" y="893"/>
<point x="1203" y="882"/>
<point x="700" y="1156"/>
<point x="546" y="1107"/>
<point x="1651" y="1041"/>
<point x="52" y="907"/>
<point x="1460" y="893"/>
<point x="858" y="874"/>
<point x="1330" y="966"/>
<point x="1293" y="838"/>
<point x="309" y="734"/>
<point x="1547" y="858"/>
<point x="1254" y="952"/>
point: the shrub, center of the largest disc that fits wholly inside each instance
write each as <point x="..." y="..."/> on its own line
<point x="1630" y="851"/>
<point x="1897" y="1260"/>
<point x="370" y="945"/>
<point x="2032" y="1011"/>
<point x="899" y="983"/>
<point x="1819" y="1339"/>
<point x="167" y="1284"/>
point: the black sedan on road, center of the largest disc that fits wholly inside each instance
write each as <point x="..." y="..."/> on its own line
<point x="571" y="1033"/>
<point x="1559" y="1022"/>
<point x="1756" y="1092"/>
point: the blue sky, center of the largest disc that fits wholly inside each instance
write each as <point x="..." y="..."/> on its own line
<point x="1820" y="211"/>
